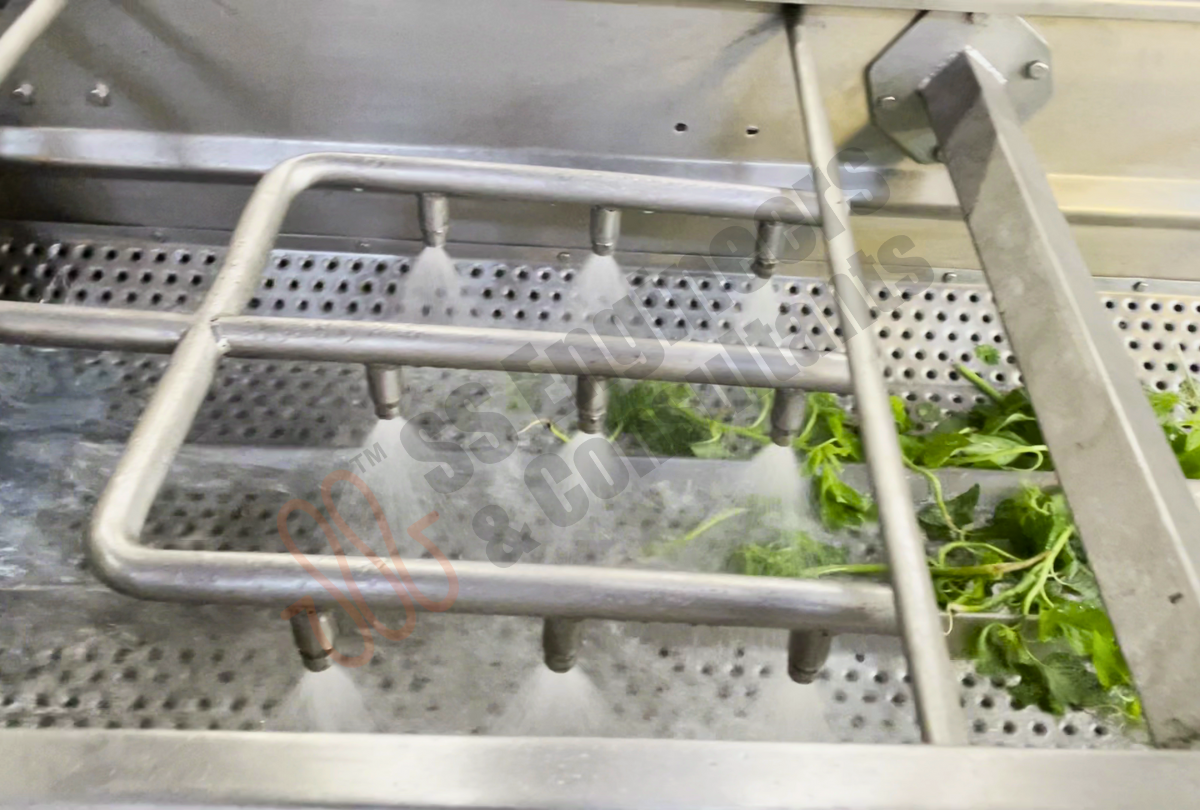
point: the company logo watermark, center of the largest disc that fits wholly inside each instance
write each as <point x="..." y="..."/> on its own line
<point x="397" y="575"/>
<point x="624" y="340"/>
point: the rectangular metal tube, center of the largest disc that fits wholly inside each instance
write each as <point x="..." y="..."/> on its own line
<point x="430" y="346"/>
<point x="934" y="684"/>
<point x="1139" y="524"/>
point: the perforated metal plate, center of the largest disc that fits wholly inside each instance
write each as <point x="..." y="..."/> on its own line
<point x="75" y="656"/>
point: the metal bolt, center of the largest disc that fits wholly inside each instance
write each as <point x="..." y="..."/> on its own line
<point x="1140" y="286"/>
<point x="100" y="95"/>
<point x="564" y="256"/>
<point x="23" y="93"/>
<point x="948" y="277"/>
<point x="1037" y="70"/>
<point x="886" y="102"/>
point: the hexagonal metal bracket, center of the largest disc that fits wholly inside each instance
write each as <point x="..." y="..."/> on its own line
<point x="1017" y="53"/>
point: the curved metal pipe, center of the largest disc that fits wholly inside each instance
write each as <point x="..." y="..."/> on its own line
<point x="560" y="591"/>
<point x="24" y="31"/>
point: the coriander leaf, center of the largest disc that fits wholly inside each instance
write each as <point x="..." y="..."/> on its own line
<point x="841" y="505"/>
<point x="961" y="509"/>
<point x="789" y="558"/>
<point x="939" y="447"/>
<point x="928" y="412"/>
<point x="1164" y="404"/>
<point x="1069" y="683"/>
<point x="997" y="450"/>
<point x="713" y="448"/>
<point x="900" y="413"/>
<point x="1109" y="663"/>
<point x="659" y="415"/>
<point x="988" y="354"/>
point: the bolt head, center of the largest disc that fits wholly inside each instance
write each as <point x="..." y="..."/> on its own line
<point x="23" y="93"/>
<point x="1037" y="70"/>
<point x="100" y="95"/>
<point x="564" y="256"/>
<point x="887" y="102"/>
<point x="1140" y="286"/>
<point x="948" y="277"/>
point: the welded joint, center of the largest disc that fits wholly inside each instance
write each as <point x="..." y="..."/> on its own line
<point x="767" y="244"/>
<point x="386" y="385"/>
<point x="787" y="414"/>
<point x="808" y="650"/>
<point x="591" y="401"/>
<point x="606" y="229"/>
<point x="433" y="212"/>
<point x="314" y="632"/>
<point x="561" y="639"/>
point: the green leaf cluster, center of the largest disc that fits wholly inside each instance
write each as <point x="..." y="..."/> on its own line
<point x="790" y="557"/>
<point x="828" y="440"/>
<point x="1080" y="665"/>
<point x="1179" y="414"/>
<point x="1001" y="433"/>
<point x="1025" y="561"/>
<point x="667" y="419"/>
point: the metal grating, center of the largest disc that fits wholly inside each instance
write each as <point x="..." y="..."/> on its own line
<point x="101" y="661"/>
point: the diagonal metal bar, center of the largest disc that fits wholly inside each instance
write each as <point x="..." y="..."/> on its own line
<point x="1140" y="526"/>
<point x="942" y="720"/>
<point x="24" y="31"/>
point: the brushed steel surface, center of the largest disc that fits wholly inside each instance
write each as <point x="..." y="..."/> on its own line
<point x="725" y="73"/>
<point x="942" y="723"/>
<point x="1124" y="483"/>
<point x="97" y="395"/>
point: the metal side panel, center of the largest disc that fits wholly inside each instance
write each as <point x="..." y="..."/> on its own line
<point x="231" y="770"/>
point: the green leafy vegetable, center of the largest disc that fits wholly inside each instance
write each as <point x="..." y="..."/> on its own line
<point x="946" y="521"/>
<point x="785" y="558"/>
<point x="988" y="354"/>
<point x="1183" y="431"/>
<point x="1025" y="561"/>
<point x="665" y="419"/>
<point x="828" y="441"/>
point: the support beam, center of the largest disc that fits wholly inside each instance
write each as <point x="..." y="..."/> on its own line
<point x="941" y="717"/>
<point x="1139" y="524"/>
<point x="430" y="346"/>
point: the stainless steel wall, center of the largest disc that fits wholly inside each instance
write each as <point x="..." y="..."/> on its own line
<point x="694" y="89"/>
